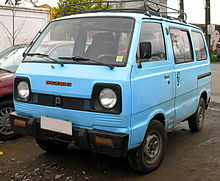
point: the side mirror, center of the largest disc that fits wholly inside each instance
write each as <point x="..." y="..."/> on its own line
<point x="145" y="50"/>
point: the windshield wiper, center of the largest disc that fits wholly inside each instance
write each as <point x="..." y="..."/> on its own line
<point x="6" y="70"/>
<point x="41" y="55"/>
<point x="79" y="58"/>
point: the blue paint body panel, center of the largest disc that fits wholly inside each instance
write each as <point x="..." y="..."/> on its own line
<point x="145" y="91"/>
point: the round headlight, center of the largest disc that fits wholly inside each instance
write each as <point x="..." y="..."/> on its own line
<point x="107" y="98"/>
<point x="23" y="90"/>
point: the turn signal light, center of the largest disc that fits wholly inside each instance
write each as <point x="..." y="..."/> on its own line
<point x="19" y="123"/>
<point x="104" y="141"/>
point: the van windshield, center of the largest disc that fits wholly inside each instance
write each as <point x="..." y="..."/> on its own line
<point x="105" y="40"/>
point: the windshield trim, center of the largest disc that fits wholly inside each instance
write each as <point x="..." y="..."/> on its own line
<point x="119" y="65"/>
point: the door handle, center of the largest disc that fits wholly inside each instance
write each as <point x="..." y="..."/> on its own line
<point x="178" y="78"/>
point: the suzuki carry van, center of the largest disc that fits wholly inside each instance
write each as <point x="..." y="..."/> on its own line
<point x="123" y="80"/>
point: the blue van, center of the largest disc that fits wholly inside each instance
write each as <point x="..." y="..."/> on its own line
<point x="113" y="82"/>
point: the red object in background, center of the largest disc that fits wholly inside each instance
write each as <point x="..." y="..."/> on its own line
<point x="9" y="62"/>
<point x="6" y="84"/>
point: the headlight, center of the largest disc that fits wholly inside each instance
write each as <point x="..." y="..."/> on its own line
<point x="107" y="98"/>
<point x="23" y="90"/>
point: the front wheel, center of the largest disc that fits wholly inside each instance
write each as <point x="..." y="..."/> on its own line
<point x="6" y="132"/>
<point x="149" y="155"/>
<point x="196" y="121"/>
<point x="50" y="146"/>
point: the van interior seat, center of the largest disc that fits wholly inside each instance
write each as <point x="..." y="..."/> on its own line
<point x="102" y="43"/>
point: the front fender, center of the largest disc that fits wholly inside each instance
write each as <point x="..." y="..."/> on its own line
<point x="139" y="125"/>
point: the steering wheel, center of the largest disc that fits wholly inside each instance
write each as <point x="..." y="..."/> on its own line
<point x="108" y="57"/>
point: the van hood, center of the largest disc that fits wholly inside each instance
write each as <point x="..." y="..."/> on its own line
<point x="72" y="80"/>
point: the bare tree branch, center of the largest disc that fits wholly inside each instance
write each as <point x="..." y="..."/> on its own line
<point x="19" y="29"/>
<point x="14" y="34"/>
<point x="8" y="38"/>
<point x="6" y="29"/>
<point x="13" y="25"/>
<point x="9" y="2"/>
<point x="6" y="32"/>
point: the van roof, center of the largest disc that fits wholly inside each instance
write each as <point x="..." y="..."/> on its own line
<point x="138" y="16"/>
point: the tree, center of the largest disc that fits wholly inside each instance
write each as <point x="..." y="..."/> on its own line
<point x="18" y="2"/>
<point x="59" y="11"/>
<point x="12" y="35"/>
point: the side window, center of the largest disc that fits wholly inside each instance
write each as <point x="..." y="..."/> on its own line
<point x="153" y="33"/>
<point x="62" y="50"/>
<point x="181" y="45"/>
<point x="199" y="44"/>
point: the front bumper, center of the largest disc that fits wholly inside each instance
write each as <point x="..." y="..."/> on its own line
<point x="84" y="138"/>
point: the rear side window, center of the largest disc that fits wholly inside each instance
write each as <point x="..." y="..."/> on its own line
<point x="182" y="47"/>
<point x="199" y="44"/>
<point x="153" y="33"/>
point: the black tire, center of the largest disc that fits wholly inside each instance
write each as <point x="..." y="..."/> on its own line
<point x="149" y="155"/>
<point x="51" y="146"/>
<point x="196" y="121"/>
<point x="6" y="132"/>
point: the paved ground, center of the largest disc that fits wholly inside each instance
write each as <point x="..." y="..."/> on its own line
<point x="189" y="157"/>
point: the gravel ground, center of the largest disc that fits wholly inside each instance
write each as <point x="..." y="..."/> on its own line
<point x="189" y="156"/>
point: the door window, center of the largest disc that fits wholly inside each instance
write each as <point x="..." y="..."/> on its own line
<point x="199" y="45"/>
<point x="153" y="33"/>
<point x="181" y="45"/>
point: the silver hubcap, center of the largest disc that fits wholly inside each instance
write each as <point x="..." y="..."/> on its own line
<point x="5" y="127"/>
<point x="152" y="148"/>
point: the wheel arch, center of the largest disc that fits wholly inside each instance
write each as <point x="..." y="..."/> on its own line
<point x="160" y="117"/>
<point x="6" y="98"/>
<point x="142" y="127"/>
<point x="204" y="95"/>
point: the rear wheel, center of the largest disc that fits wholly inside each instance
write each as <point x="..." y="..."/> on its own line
<point x="51" y="146"/>
<point x="197" y="119"/>
<point x="6" y="132"/>
<point x="149" y="155"/>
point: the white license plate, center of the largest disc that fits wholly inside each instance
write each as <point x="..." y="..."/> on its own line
<point x="56" y="125"/>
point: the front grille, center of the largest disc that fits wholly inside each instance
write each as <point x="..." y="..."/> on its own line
<point x="62" y="102"/>
<point x="46" y="100"/>
<point x="74" y="103"/>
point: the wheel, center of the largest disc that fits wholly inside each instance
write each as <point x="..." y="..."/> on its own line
<point x="149" y="155"/>
<point x="6" y="132"/>
<point x="50" y="146"/>
<point x="196" y="121"/>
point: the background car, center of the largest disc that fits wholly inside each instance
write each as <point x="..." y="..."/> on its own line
<point x="218" y="49"/>
<point x="9" y="62"/>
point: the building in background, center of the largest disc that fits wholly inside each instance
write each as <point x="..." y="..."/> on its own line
<point x="19" y="25"/>
<point x="215" y="35"/>
<point x="46" y="6"/>
<point x="139" y="5"/>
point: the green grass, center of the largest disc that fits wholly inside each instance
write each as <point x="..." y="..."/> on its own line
<point x="214" y="59"/>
